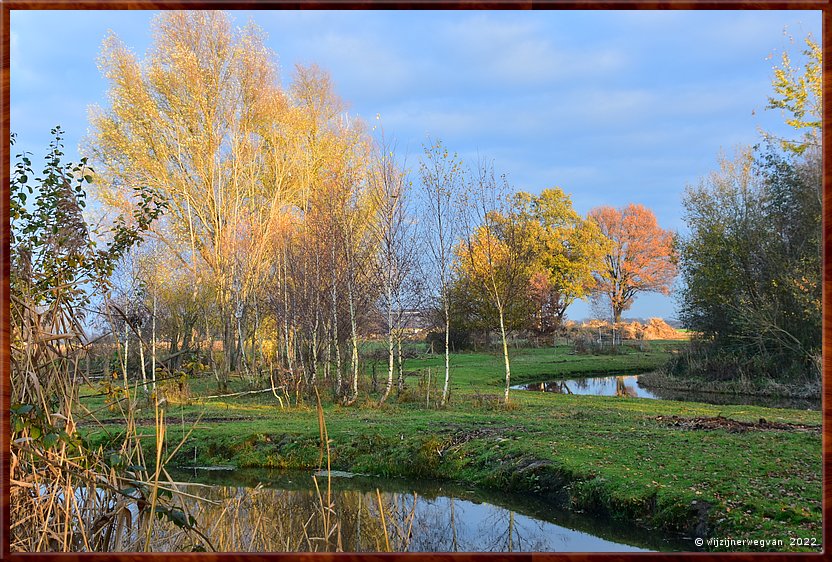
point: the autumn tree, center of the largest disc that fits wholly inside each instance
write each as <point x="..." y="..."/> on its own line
<point x="496" y="254"/>
<point x="640" y="257"/>
<point x="198" y="121"/>
<point x="798" y="93"/>
<point x="567" y="250"/>
<point x="246" y="168"/>
<point x="752" y="263"/>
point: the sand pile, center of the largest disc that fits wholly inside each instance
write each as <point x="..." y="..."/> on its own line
<point x="658" y="329"/>
<point x="655" y="329"/>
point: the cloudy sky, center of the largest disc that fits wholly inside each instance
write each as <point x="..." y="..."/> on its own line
<point x="614" y="107"/>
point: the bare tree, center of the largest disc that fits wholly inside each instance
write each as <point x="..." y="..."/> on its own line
<point x="442" y="181"/>
<point x="389" y="184"/>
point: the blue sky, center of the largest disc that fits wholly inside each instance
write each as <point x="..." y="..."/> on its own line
<point x="614" y="107"/>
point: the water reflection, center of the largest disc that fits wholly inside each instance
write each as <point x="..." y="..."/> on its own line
<point x="297" y="513"/>
<point x="628" y="386"/>
<point x="596" y="386"/>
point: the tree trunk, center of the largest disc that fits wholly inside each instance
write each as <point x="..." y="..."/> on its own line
<point x="447" y="355"/>
<point x="153" y="346"/>
<point x="228" y="344"/>
<point x="389" y="348"/>
<point x="401" y="360"/>
<point x="287" y="344"/>
<point x="334" y="295"/>
<point x="173" y="347"/>
<point x="505" y="354"/>
<point x="313" y="351"/>
<point x="354" y="340"/>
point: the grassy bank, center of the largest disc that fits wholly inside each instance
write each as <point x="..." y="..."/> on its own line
<point x="807" y="390"/>
<point x="713" y="471"/>
<point x="483" y="370"/>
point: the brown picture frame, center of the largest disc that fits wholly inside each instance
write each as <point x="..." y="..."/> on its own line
<point x="823" y="5"/>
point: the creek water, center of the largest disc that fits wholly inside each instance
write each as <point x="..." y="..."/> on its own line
<point x="266" y="510"/>
<point x="628" y="386"/>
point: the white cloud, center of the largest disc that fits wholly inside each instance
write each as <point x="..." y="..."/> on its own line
<point x="362" y="65"/>
<point x="504" y="54"/>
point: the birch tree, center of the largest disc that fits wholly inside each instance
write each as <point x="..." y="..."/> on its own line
<point x="496" y="254"/>
<point x="196" y="121"/>
<point x="389" y="184"/>
<point x="441" y="177"/>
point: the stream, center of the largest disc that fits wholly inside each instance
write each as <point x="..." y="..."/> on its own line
<point x="628" y="386"/>
<point x="256" y="510"/>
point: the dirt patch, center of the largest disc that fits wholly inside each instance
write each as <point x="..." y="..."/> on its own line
<point x="460" y="436"/>
<point x="732" y="426"/>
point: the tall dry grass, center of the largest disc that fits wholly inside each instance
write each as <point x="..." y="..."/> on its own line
<point x="64" y="495"/>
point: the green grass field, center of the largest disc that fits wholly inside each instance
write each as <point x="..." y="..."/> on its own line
<point x="672" y="466"/>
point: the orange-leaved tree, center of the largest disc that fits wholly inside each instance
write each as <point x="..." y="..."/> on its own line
<point x="640" y="259"/>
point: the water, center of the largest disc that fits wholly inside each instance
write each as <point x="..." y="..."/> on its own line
<point x="628" y="386"/>
<point x="260" y="510"/>
<point x="595" y="386"/>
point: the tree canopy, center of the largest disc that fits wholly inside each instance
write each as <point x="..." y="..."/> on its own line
<point x="640" y="258"/>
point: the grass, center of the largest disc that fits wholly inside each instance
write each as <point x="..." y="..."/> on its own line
<point x="618" y="457"/>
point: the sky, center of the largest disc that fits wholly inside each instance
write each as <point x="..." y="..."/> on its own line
<point x="614" y="107"/>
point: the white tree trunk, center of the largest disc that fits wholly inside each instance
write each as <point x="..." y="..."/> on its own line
<point x="389" y="346"/>
<point x="505" y="355"/>
<point x="447" y="355"/>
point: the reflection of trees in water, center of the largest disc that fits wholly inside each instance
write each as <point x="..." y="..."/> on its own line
<point x="581" y="384"/>
<point x="601" y="386"/>
<point x="502" y="531"/>
<point x="262" y="520"/>
<point x="558" y="387"/>
<point x="628" y="386"/>
<point x="622" y="389"/>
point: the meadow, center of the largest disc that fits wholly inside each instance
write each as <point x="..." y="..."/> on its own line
<point x="676" y="467"/>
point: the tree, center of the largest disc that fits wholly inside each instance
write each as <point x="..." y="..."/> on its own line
<point x="568" y="249"/>
<point x="751" y="263"/>
<point x="396" y="253"/>
<point x="441" y="181"/>
<point x="640" y="258"/>
<point x="198" y="122"/>
<point x="798" y="93"/>
<point x="496" y="255"/>
<point x="243" y="165"/>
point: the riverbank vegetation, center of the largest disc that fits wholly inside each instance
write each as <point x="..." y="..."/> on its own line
<point x="680" y="468"/>
<point x="751" y="264"/>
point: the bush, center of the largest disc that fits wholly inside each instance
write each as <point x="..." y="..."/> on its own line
<point x="715" y="363"/>
<point x="458" y="340"/>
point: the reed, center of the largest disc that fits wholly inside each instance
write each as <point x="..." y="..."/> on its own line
<point x="65" y="496"/>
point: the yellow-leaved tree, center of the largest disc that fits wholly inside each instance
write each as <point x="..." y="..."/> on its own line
<point x="567" y="250"/>
<point x="240" y="161"/>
